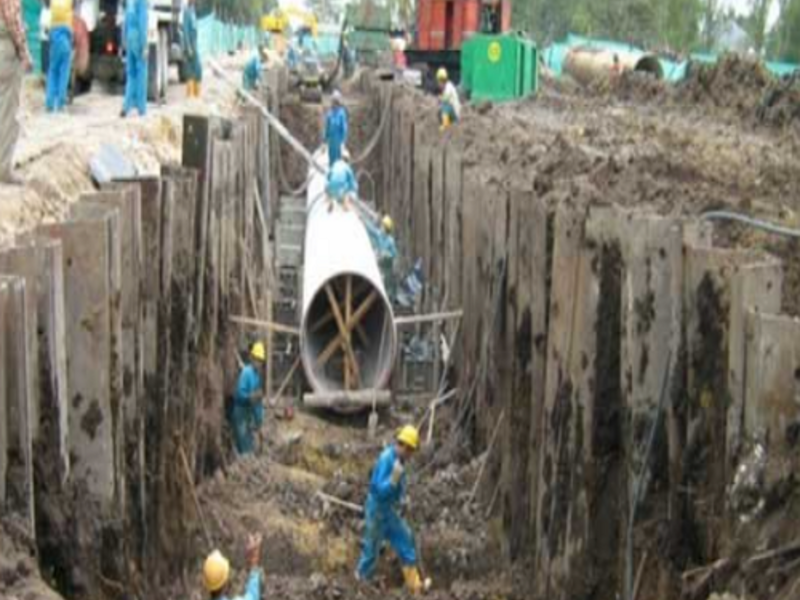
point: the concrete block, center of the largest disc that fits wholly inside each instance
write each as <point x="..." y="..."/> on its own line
<point x="90" y="280"/>
<point x="19" y="398"/>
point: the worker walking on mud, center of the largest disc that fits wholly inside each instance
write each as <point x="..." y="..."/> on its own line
<point x="252" y="73"/>
<point x="336" y="128"/>
<point x="217" y="572"/>
<point x="381" y="521"/>
<point x="383" y="243"/>
<point x="449" y="102"/>
<point x="247" y="413"/>
<point x="15" y="61"/>
<point x="192" y="64"/>
<point x="60" y="66"/>
<point x="341" y="186"/>
<point x="135" y="32"/>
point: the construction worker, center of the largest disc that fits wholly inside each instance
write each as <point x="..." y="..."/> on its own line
<point x="60" y="65"/>
<point x="381" y="521"/>
<point x="15" y="61"/>
<point x="341" y="185"/>
<point x="217" y="572"/>
<point x="251" y="73"/>
<point x="335" y="128"/>
<point x="386" y="250"/>
<point x="192" y="64"/>
<point x="135" y="32"/>
<point x="449" y="103"/>
<point x="248" y="411"/>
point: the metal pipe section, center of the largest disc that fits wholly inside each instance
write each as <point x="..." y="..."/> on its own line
<point x="340" y="268"/>
<point x="586" y="64"/>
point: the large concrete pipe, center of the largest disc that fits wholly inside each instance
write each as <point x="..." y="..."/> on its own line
<point x="587" y="65"/>
<point x="348" y="338"/>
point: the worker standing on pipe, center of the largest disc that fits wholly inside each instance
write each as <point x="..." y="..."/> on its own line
<point x="381" y="521"/>
<point x="335" y="128"/>
<point x="382" y="239"/>
<point x="341" y="185"/>
<point x="217" y="572"/>
<point x="135" y="31"/>
<point x="449" y="102"/>
<point x="248" y="413"/>
<point x="252" y="72"/>
<point x="192" y="64"/>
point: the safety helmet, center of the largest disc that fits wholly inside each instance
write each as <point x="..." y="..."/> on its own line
<point x="259" y="352"/>
<point x="387" y="223"/>
<point x="409" y="436"/>
<point x="441" y="74"/>
<point x="336" y="97"/>
<point x="216" y="571"/>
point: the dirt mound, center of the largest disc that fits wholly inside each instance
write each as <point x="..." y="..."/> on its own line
<point x="733" y="82"/>
<point x="780" y="104"/>
<point x="637" y="86"/>
<point x="20" y="578"/>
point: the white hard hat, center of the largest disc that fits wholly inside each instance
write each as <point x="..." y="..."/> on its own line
<point x="336" y="96"/>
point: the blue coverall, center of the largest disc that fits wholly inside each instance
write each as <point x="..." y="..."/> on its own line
<point x="252" y="590"/>
<point x="135" y="57"/>
<point x="386" y="250"/>
<point x="381" y="521"/>
<point x="193" y="66"/>
<point x="335" y="132"/>
<point x="248" y="412"/>
<point x="341" y="181"/>
<point x="59" y="69"/>
<point x="251" y="73"/>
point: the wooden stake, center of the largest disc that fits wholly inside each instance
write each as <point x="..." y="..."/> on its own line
<point x="428" y="318"/>
<point x="269" y="325"/>
<point x="361" y="311"/>
<point x="287" y="379"/>
<point x="193" y="489"/>
<point x="344" y="333"/>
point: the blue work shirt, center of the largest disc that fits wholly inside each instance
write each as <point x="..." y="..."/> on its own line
<point x="251" y="73"/>
<point x="341" y="181"/>
<point x="336" y="125"/>
<point x="252" y="590"/>
<point x="382" y="242"/>
<point x="135" y="27"/>
<point x="248" y="384"/>
<point x="381" y="488"/>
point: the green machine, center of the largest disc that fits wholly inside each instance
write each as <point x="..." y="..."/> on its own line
<point x="368" y="30"/>
<point x="499" y="67"/>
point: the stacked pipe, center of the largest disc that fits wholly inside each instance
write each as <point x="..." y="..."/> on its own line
<point x="587" y="64"/>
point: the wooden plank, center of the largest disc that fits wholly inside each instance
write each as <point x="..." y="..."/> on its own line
<point x="437" y="248"/>
<point x="452" y="224"/>
<point x="4" y="429"/>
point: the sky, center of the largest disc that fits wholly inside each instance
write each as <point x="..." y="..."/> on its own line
<point x="742" y="7"/>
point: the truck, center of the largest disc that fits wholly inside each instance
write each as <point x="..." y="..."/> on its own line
<point x="443" y="25"/>
<point x="103" y="20"/>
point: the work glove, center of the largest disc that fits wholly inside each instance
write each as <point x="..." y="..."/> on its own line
<point x="397" y="472"/>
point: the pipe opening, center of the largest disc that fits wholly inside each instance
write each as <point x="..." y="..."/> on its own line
<point x="366" y="319"/>
<point x="649" y="64"/>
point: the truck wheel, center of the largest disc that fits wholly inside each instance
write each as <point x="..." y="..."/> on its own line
<point x="163" y="49"/>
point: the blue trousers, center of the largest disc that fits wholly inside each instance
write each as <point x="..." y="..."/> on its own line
<point x="246" y="419"/>
<point x="334" y="151"/>
<point x="135" y="83"/>
<point x="382" y="524"/>
<point x="60" y="68"/>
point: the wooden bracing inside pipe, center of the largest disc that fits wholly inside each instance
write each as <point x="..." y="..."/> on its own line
<point x="347" y="320"/>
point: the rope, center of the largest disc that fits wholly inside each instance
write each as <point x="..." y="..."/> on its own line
<point x="373" y="143"/>
<point x="285" y="182"/>
<point x="724" y="215"/>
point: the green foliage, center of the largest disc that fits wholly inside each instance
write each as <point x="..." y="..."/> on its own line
<point x="243" y="12"/>
<point x="785" y="41"/>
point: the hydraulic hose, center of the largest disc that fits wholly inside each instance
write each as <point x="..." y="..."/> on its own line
<point x="724" y="215"/>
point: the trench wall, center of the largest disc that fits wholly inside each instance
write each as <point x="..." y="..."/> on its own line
<point x="116" y="354"/>
<point x="580" y="321"/>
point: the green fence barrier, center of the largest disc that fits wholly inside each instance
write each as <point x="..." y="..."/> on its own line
<point x="215" y="37"/>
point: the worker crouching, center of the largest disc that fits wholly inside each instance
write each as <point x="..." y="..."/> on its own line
<point x="341" y="186"/>
<point x="217" y="571"/>
<point x="247" y="413"/>
<point x="381" y="522"/>
<point x="449" y="102"/>
<point x="385" y="247"/>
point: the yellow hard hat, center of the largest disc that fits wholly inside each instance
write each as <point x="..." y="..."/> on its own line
<point x="387" y="223"/>
<point x="216" y="571"/>
<point x="441" y="74"/>
<point x="259" y="352"/>
<point x="409" y="436"/>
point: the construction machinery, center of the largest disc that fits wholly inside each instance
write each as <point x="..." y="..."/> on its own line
<point x="442" y="28"/>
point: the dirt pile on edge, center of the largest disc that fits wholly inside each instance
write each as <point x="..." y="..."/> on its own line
<point x="20" y="578"/>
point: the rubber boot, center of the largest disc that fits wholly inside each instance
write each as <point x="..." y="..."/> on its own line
<point x="189" y="88"/>
<point x="445" y="122"/>
<point x="413" y="580"/>
<point x="196" y="89"/>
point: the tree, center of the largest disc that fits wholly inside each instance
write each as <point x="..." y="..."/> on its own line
<point x="788" y="32"/>
<point x="756" y="23"/>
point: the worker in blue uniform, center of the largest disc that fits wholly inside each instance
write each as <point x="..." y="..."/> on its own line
<point x="251" y="73"/>
<point x="342" y="185"/>
<point x="248" y="411"/>
<point x="59" y="69"/>
<point x="336" y="128"/>
<point x="383" y="243"/>
<point x="135" y="33"/>
<point x="192" y="65"/>
<point x="381" y="521"/>
<point x="217" y="572"/>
